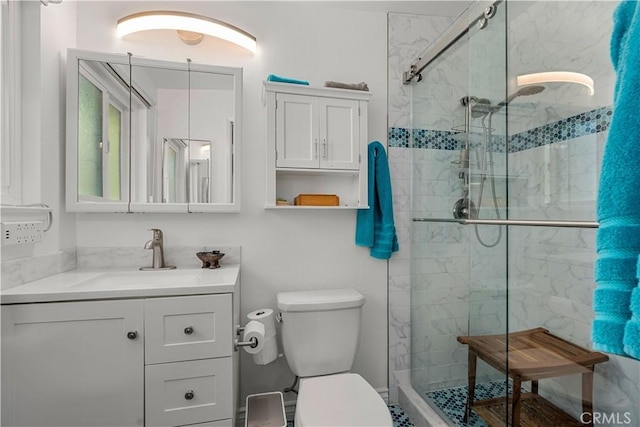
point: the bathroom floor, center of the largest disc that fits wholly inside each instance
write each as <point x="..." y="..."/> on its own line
<point x="400" y="419"/>
<point x="452" y="401"/>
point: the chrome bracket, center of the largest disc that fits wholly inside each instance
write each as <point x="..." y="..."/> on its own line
<point x="253" y="343"/>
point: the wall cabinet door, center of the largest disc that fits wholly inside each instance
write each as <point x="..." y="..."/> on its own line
<point x="317" y="132"/>
<point x="296" y="131"/>
<point x="73" y="364"/>
<point x="339" y="138"/>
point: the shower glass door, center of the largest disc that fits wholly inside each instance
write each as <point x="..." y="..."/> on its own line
<point x="488" y="194"/>
<point x="486" y="149"/>
<point x="458" y="272"/>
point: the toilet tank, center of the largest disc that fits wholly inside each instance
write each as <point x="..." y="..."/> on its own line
<point x="320" y="330"/>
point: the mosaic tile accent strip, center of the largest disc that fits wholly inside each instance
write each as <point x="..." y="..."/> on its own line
<point x="591" y="122"/>
<point x="452" y="401"/>
<point x="400" y="418"/>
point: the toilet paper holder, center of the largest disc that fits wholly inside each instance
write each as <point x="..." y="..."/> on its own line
<point x="253" y="342"/>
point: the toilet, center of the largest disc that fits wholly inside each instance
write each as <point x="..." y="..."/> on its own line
<point x="320" y="332"/>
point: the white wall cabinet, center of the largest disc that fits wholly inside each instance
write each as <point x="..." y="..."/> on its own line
<point x="152" y="362"/>
<point x="316" y="143"/>
<point x="317" y="132"/>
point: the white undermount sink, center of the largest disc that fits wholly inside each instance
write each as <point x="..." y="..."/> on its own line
<point x="109" y="284"/>
<point x="118" y="280"/>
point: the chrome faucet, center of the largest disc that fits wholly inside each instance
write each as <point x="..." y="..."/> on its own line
<point x="157" y="245"/>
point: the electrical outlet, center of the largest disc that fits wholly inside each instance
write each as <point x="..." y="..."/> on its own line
<point x="17" y="233"/>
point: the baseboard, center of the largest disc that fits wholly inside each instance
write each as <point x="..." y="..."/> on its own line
<point x="290" y="407"/>
<point x="384" y="393"/>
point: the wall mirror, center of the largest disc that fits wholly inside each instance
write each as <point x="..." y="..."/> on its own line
<point x="151" y="136"/>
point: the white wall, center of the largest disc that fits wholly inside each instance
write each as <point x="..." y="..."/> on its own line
<point x="46" y="34"/>
<point x="344" y="41"/>
<point x="281" y="251"/>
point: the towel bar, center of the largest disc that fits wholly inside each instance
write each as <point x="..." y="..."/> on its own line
<point x="520" y="222"/>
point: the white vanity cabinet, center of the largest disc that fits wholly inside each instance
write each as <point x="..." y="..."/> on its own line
<point x="316" y="143"/>
<point x="164" y="361"/>
<point x="73" y="364"/>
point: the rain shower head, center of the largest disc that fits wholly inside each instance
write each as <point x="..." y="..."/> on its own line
<point x="525" y="91"/>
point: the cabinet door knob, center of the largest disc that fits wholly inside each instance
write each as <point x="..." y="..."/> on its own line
<point x="188" y="330"/>
<point x="132" y="335"/>
<point x="189" y="395"/>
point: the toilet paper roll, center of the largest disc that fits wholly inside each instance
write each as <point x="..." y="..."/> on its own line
<point x="267" y="318"/>
<point x="269" y="352"/>
<point x="267" y="349"/>
<point x="254" y="329"/>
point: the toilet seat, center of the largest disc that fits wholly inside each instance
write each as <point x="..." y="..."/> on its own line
<point x="340" y="400"/>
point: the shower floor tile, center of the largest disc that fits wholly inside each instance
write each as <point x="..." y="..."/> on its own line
<point x="452" y="401"/>
<point x="400" y="418"/>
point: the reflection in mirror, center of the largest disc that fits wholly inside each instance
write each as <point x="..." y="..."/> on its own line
<point x="162" y="112"/>
<point x="152" y="136"/>
<point x="103" y="124"/>
<point x="199" y="171"/>
<point x="212" y="102"/>
<point x="174" y="171"/>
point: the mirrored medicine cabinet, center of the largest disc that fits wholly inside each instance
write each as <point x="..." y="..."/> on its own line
<point x="152" y="136"/>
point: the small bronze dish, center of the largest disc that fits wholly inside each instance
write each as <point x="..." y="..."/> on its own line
<point x="210" y="259"/>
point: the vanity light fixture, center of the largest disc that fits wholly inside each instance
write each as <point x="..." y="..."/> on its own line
<point x="556" y="76"/>
<point x="191" y="28"/>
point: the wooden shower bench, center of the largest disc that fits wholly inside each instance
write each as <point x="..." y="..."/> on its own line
<point x="532" y="355"/>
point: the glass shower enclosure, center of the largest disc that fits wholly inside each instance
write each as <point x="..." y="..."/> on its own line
<point x="504" y="182"/>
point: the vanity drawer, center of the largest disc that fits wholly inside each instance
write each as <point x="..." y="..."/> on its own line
<point x="191" y="392"/>
<point x="188" y="328"/>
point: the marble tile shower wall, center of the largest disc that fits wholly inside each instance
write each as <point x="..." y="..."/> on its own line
<point x="551" y="281"/>
<point x="444" y="295"/>
<point x="546" y="35"/>
<point x="408" y="35"/>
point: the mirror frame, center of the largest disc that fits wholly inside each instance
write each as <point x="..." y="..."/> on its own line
<point x="73" y="204"/>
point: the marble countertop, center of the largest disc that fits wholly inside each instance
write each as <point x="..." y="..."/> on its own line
<point x="77" y="285"/>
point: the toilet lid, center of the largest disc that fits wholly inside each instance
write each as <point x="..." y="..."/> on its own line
<point x="340" y="400"/>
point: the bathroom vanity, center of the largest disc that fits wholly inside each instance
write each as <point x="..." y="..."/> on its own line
<point x="122" y="348"/>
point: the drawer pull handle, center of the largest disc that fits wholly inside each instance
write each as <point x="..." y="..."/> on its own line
<point x="189" y="395"/>
<point x="188" y="330"/>
<point x="132" y="335"/>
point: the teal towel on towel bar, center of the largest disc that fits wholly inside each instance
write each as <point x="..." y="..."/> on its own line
<point x="617" y="321"/>
<point x="375" y="227"/>
<point x="280" y="79"/>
